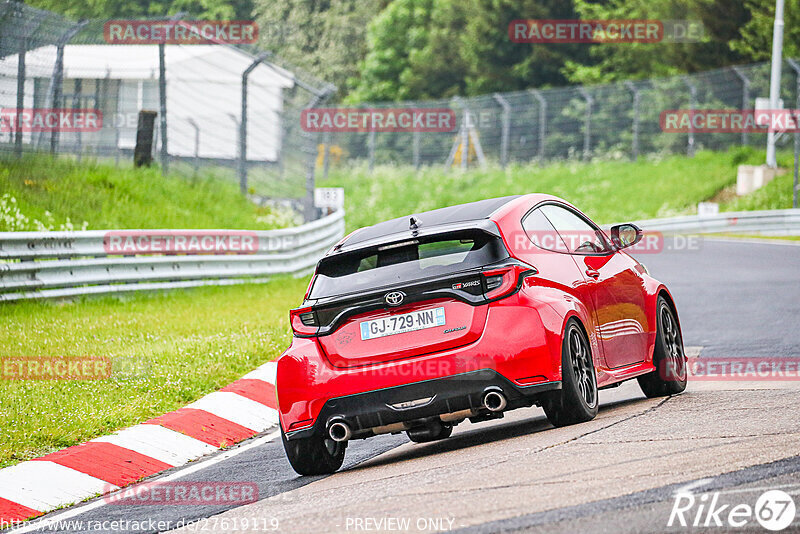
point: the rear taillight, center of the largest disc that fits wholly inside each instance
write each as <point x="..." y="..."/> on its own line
<point x="504" y="281"/>
<point x="304" y="321"/>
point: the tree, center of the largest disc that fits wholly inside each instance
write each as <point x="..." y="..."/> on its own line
<point x="436" y="49"/>
<point x="325" y="38"/>
<point x="755" y="39"/>
<point x="495" y="63"/>
<point x="413" y="52"/>
<point x="102" y="9"/>
<point x="610" y="62"/>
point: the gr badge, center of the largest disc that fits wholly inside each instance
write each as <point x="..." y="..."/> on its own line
<point x="464" y="285"/>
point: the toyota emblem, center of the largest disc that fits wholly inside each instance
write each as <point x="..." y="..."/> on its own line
<point x="395" y="298"/>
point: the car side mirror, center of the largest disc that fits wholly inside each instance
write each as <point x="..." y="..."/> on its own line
<point x="626" y="235"/>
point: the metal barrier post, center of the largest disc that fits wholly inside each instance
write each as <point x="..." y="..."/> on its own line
<point x="587" y="127"/>
<point x="796" y="67"/>
<point x="692" y="106"/>
<point x="415" y="148"/>
<point x="162" y="107"/>
<point x="542" y="120"/>
<point x="326" y="154"/>
<point x="465" y="140"/>
<point x="371" y="148"/>
<point x="196" y="162"/>
<point x="20" y="96"/>
<point x="745" y="96"/>
<point x="76" y="103"/>
<point x="506" y="119"/>
<point x="243" y="123"/>
<point x="54" y="88"/>
<point x="309" y="211"/>
<point x="635" y="142"/>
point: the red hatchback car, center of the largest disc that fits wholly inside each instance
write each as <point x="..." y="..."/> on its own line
<point x="419" y="323"/>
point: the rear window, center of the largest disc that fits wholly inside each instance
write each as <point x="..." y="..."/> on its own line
<point x="406" y="261"/>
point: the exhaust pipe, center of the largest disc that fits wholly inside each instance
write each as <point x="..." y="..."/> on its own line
<point x="494" y="401"/>
<point x="340" y="431"/>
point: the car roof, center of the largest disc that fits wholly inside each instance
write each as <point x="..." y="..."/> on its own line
<point x="461" y="213"/>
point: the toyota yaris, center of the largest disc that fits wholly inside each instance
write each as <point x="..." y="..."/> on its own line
<point x="419" y="323"/>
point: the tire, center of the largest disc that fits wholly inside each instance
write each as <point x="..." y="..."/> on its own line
<point x="670" y="375"/>
<point x="444" y="432"/>
<point x="316" y="455"/>
<point x="577" y="400"/>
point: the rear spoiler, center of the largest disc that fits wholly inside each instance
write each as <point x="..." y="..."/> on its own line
<point x="485" y="225"/>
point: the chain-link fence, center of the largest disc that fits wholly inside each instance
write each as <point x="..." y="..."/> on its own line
<point x="235" y="111"/>
<point x="222" y="109"/>
<point x="614" y="120"/>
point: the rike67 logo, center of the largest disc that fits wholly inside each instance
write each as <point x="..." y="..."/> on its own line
<point x="774" y="510"/>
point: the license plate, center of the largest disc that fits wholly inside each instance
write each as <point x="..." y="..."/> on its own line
<point x="399" y="324"/>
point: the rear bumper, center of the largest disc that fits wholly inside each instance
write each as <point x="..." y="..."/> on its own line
<point x="520" y="347"/>
<point x="420" y="400"/>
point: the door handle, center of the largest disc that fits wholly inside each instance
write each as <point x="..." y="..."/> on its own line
<point x="592" y="273"/>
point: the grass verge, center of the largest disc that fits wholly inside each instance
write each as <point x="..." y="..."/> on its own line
<point x="607" y="191"/>
<point x="167" y="350"/>
<point x="65" y="193"/>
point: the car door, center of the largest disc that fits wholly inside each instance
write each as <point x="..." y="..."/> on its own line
<point x="541" y="246"/>
<point x="611" y="283"/>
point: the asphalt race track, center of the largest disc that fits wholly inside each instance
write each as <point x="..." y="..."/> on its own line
<point x="618" y="473"/>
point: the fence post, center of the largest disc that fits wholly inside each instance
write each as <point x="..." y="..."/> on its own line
<point x="196" y="162"/>
<point x="243" y="122"/>
<point x="635" y="141"/>
<point x="796" y="67"/>
<point x="162" y="98"/>
<point x="587" y="127"/>
<point x="371" y="148"/>
<point x="58" y="79"/>
<point x="162" y="107"/>
<point x="76" y="104"/>
<point x="20" y="96"/>
<point x="506" y="126"/>
<point x="326" y="155"/>
<point x="692" y="105"/>
<point x="542" y="120"/>
<point x="54" y="88"/>
<point x="745" y="97"/>
<point x="415" y="148"/>
<point x="465" y="140"/>
<point x="309" y="211"/>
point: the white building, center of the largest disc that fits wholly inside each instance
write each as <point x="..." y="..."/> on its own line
<point x="203" y="89"/>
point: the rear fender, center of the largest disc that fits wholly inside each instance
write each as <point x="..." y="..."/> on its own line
<point x="556" y="308"/>
<point x="654" y="288"/>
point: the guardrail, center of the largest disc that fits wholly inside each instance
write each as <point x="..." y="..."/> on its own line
<point x="769" y="222"/>
<point x="36" y="265"/>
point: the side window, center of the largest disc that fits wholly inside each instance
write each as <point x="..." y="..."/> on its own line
<point x="540" y="232"/>
<point x="579" y="236"/>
